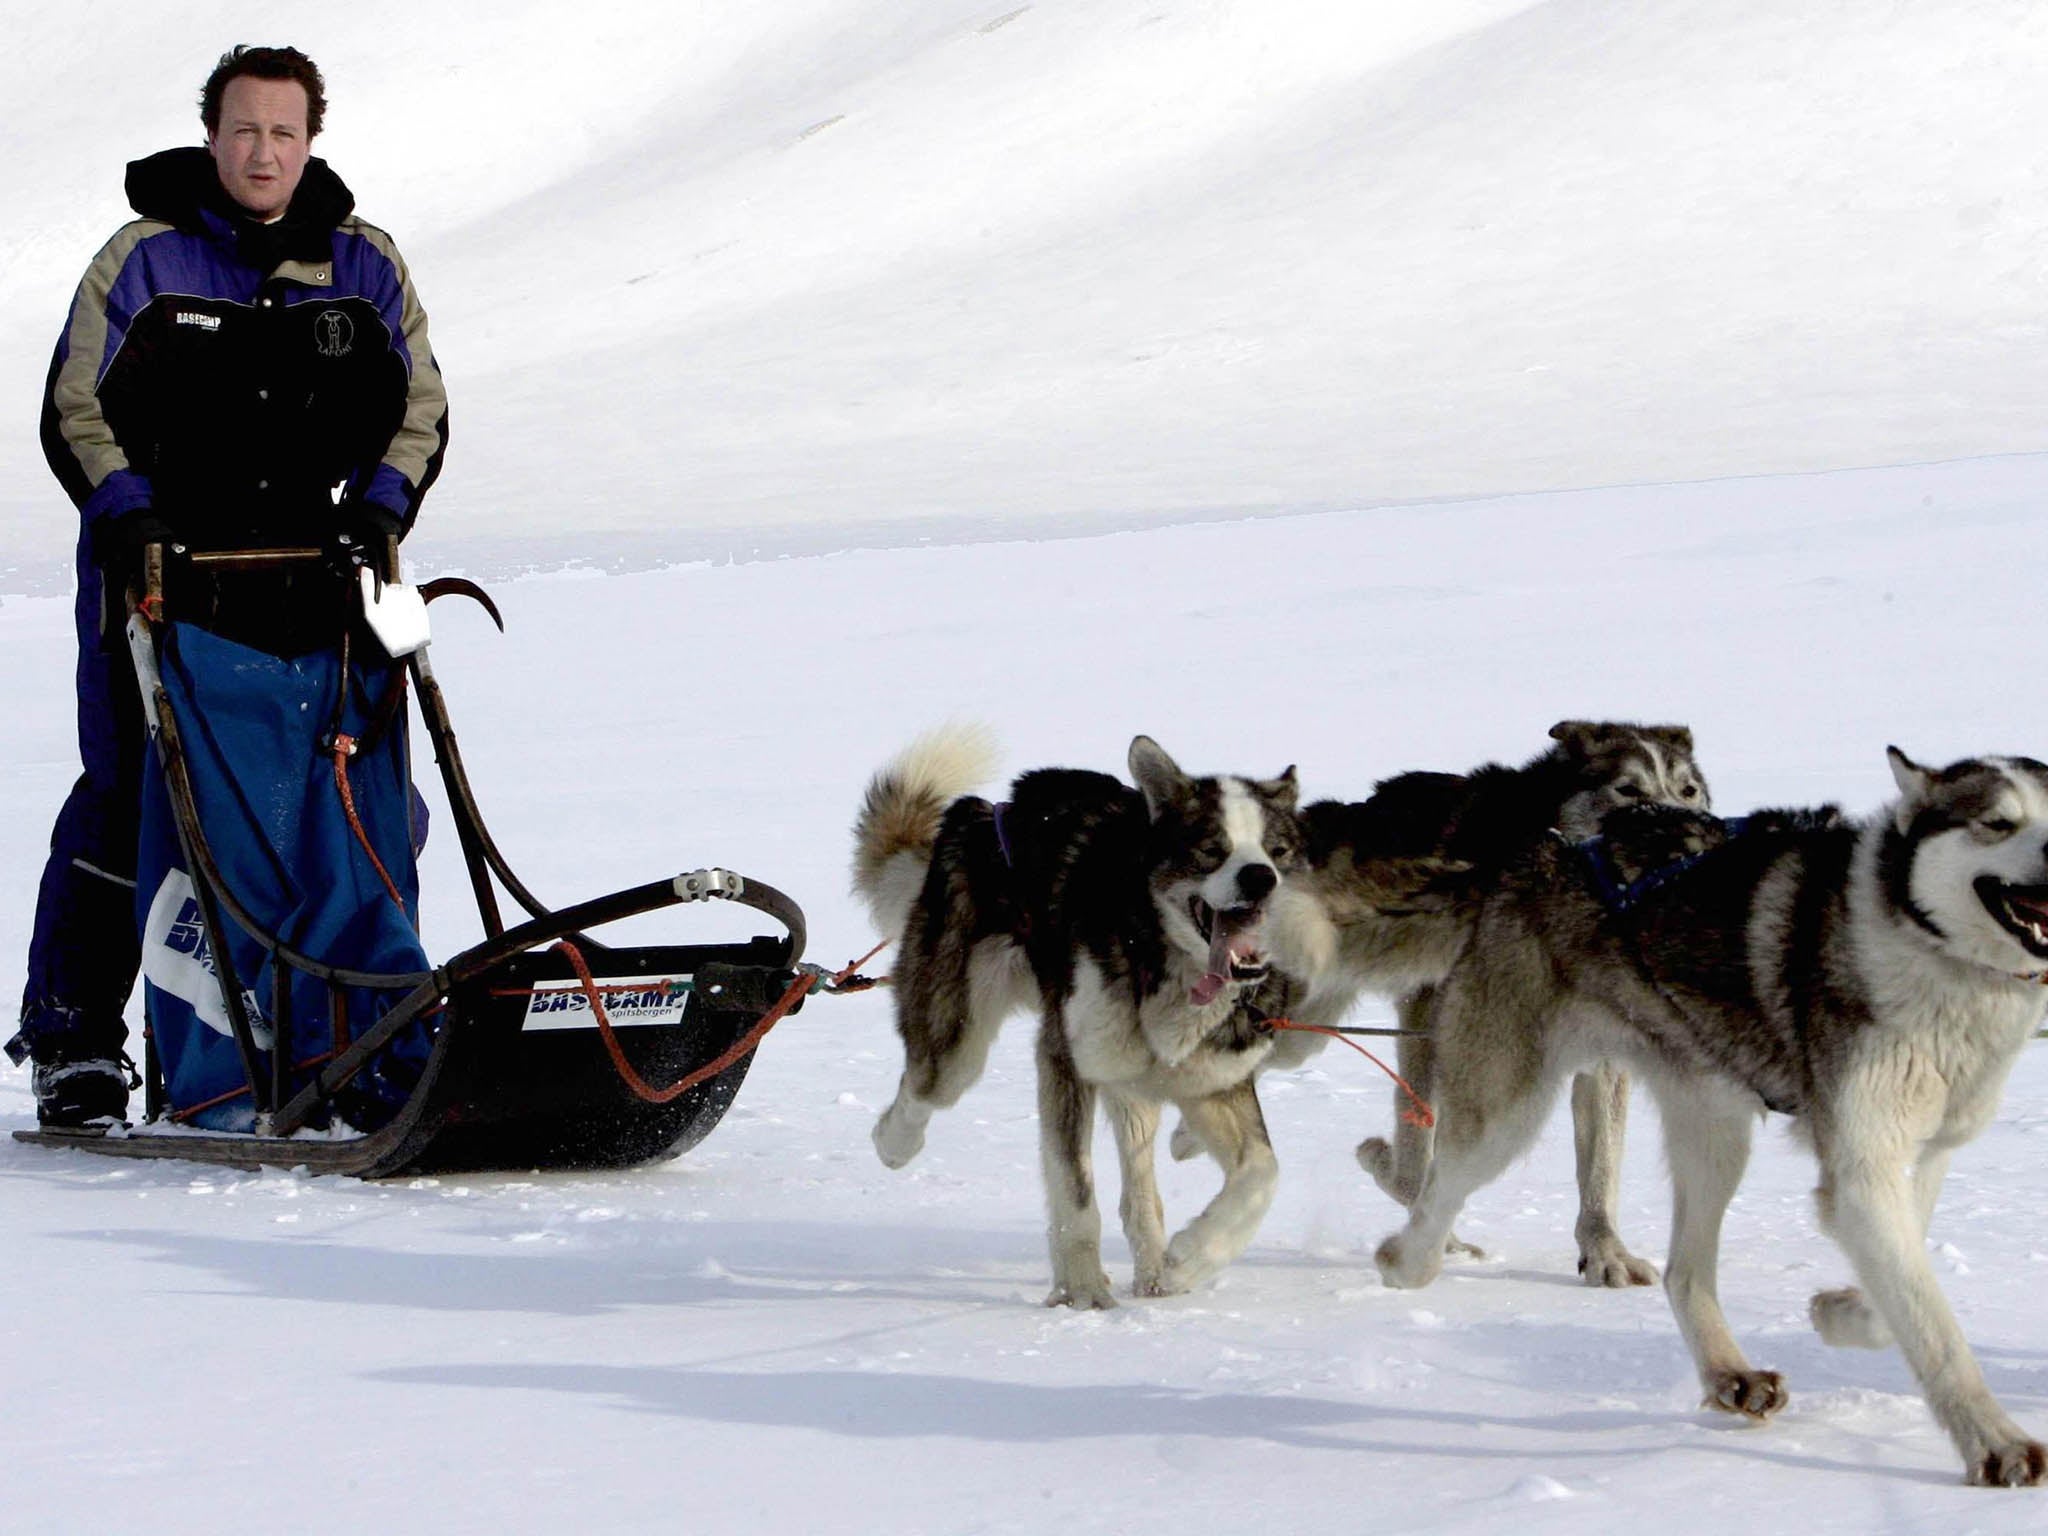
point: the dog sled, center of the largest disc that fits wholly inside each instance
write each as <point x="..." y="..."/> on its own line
<point x="292" y="1016"/>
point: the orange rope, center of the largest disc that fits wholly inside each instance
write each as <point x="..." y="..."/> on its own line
<point x="1421" y="1114"/>
<point x="179" y="1116"/>
<point x="642" y="1089"/>
<point x="344" y="747"/>
<point x="840" y="976"/>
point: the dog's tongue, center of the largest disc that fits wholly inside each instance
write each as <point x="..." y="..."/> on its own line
<point x="1231" y="935"/>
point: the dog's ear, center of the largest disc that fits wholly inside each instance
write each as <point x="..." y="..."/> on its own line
<point x="1579" y="737"/>
<point x="1913" y="782"/>
<point x="1284" y="791"/>
<point x="1157" y="776"/>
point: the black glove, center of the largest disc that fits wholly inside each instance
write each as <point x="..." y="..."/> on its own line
<point x="370" y="523"/>
<point x="361" y="531"/>
<point x="118" y="542"/>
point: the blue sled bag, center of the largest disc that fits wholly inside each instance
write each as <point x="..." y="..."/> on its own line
<point x="257" y="733"/>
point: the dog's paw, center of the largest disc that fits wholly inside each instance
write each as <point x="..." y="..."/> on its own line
<point x="1846" y="1320"/>
<point x="1376" y="1157"/>
<point x="1753" y="1394"/>
<point x="1168" y="1280"/>
<point x="1184" y="1144"/>
<point x="1455" y="1247"/>
<point x="1191" y="1258"/>
<point x="2016" y="1463"/>
<point x="1403" y="1265"/>
<point x="1090" y="1296"/>
<point x="896" y="1142"/>
<point x="1608" y="1264"/>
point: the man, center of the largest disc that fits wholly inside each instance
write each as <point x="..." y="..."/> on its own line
<point x="245" y="365"/>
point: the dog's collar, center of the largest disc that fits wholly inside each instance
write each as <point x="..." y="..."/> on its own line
<point x="2031" y="978"/>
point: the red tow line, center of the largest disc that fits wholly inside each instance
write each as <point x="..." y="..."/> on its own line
<point x="805" y="982"/>
<point x="1419" y="1114"/>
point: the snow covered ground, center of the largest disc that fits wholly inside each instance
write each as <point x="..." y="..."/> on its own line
<point x="1001" y="325"/>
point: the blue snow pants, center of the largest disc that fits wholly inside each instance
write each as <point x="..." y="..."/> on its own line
<point x="84" y="951"/>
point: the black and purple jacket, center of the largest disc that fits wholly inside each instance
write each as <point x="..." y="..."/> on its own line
<point x="233" y="376"/>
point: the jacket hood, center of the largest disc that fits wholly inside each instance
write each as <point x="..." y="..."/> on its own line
<point x="177" y="185"/>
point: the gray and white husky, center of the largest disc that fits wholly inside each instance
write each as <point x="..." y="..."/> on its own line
<point x="1132" y="920"/>
<point x="1875" y="980"/>
<point x="1390" y="901"/>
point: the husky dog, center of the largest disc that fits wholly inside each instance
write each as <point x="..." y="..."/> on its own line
<point x="1875" y="980"/>
<point x="1390" y="901"/>
<point x="1133" y="921"/>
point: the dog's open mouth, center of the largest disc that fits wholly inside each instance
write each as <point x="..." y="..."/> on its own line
<point x="1234" y="950"/>
<point x="2021" y="910"/>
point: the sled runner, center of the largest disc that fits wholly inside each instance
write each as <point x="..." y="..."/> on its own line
<point x="293" y="1018"/>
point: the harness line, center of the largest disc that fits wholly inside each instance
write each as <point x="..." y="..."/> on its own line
<point x="1419" y="1114"/>
<point x="808" y="979"/>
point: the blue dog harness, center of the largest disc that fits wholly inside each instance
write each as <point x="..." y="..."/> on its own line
<point x="1618" y="898"/>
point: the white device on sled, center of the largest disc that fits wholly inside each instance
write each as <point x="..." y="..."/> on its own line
<point x="396" y="612"/>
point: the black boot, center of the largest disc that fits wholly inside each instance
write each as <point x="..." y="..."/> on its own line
<point x="79" y="1095"/>
<point x="81" y="1077"/>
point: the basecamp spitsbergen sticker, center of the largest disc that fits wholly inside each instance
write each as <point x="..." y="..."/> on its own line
<point x="636" y="1000"/>
<point x="177" y="957"/>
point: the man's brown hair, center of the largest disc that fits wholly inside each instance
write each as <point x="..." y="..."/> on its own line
<point x="264" y="64"/>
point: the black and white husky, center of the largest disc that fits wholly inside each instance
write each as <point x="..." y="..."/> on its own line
<point x="1132" y="921"/>
<point x="1875" y="980"/>
<point x="1391" y="899"/>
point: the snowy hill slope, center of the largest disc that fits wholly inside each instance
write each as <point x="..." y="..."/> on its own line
<point x="726" y="279"/>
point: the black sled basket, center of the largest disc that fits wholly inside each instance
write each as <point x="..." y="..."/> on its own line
<point x="519" y="1075"/>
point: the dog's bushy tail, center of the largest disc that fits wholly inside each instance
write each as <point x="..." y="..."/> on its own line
<point x="899" y="817"/>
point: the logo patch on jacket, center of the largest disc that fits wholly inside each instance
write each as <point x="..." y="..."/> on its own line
<point x="193" y="317"/>
<point x="334" y="334"/>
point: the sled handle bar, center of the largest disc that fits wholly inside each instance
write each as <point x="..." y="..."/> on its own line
<point x="290" y="554"/>
<point x="699" y="885"/>
<point x="155" y="553"/>
<point x="294" y="554"/>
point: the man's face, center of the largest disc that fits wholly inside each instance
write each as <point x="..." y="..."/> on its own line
<point x="261" y="146"/>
